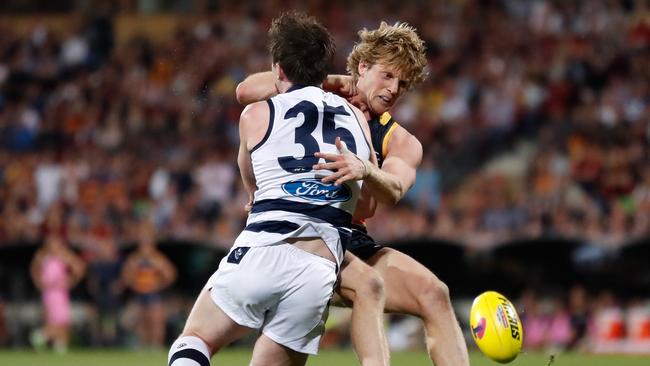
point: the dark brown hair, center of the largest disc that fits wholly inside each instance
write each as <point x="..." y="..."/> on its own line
<point x="302" y="46"/>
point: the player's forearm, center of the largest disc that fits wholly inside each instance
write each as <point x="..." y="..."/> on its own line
<point x="384" y="187"/>
<point x="256" y="87"/>
<point x="334" y="83"/>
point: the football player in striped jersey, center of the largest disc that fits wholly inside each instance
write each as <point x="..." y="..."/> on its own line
<point x="385" y="63"/>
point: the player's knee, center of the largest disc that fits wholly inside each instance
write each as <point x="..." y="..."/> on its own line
<point x="371" y="285"/>
<point x="434" y="295"/>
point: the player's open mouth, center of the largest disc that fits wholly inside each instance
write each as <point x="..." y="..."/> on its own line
<point x="386" y="100"/>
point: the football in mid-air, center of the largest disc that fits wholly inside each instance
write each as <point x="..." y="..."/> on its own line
<point x="496" y="327"/>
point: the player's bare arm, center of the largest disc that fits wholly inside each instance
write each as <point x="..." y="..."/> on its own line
<point x="390" y="183"/>
<point x="256" y="87"/>
<point x="342" y="85"/>
<point x="253" y="124"/>
<point x="261" y="86"/>
<point x="403" y="156"/>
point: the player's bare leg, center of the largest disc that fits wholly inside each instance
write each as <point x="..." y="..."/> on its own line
<point x="206" y="331"/>
<point x="412" y="289"/>
<point x="365" y="287"/>
<point x="269" y="353"/>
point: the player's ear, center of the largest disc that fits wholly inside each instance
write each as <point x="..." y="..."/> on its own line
<point x="274" y="69"/>
<point x="279" y="73"/>
<point x="362" y="68"/>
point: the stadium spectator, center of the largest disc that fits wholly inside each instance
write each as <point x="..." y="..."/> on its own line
<point x="147" y="273"/>
<point x="55" y="269"/>
<point x="102" y="282"/>
<point x="580" y="316"/>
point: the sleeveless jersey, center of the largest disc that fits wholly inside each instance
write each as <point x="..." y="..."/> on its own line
<point x="380" y="130"/>
<point x="290" y="200"/>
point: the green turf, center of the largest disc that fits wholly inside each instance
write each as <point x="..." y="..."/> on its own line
<point x="326" y="358"/>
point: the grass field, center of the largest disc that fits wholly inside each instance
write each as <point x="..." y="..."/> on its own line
<point x="326" y="358"/>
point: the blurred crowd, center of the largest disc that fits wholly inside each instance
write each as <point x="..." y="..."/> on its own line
<point x="97" y="136"/>
<point x="577" y="320"/>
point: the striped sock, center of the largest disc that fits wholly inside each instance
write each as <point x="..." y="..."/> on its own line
<point x="189" y="351"/>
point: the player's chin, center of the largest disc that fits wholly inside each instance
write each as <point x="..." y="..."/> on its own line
<point x="379" y="107"/>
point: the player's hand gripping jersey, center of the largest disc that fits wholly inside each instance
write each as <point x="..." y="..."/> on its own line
<point x="291" y="201"/>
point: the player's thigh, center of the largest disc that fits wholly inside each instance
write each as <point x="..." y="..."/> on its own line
<point x="405" y="279"/>
<point x="269" y="353"/>
<point x="211" y="324"/>
<point x="356" y="279"/>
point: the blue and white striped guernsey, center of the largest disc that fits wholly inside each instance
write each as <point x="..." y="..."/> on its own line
<point x="290" y="200"/>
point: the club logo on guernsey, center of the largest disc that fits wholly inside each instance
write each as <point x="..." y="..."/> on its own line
<point x="314" y="190"/>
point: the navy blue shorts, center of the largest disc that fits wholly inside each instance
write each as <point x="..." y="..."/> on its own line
<point x="361" y="244"/>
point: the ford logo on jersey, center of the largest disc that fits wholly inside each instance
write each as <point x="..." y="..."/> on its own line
<point x="314" y="190"/>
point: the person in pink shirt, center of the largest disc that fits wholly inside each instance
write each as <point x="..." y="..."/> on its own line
<point x="559" y="332"/>
<point x="56" y="269"/>
<point x="535" y="323"/>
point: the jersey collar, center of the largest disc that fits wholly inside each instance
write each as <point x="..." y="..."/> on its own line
<point x="296" y="87"/>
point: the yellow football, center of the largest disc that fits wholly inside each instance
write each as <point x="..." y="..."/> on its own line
<point x="496" y="327"/>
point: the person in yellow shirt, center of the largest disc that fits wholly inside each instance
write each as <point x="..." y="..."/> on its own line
<point x="147" y="272"/>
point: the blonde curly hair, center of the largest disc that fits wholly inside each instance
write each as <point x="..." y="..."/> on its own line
<point x="395" y="45"/>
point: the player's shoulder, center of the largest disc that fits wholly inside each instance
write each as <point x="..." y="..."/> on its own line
<point x="255" y="109"/>
<point x="254" y="113"/>
<point x="402" y="136"/>
<point x="398" y="131"/>
<point x="401" y="140"/>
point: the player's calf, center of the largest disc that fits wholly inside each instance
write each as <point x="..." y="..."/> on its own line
<point x="444" y="339"/>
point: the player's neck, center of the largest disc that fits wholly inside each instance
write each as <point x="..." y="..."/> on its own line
<point x="286" y="87"/>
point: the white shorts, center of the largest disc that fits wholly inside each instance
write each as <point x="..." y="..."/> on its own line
<point x="280" y="289"/>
